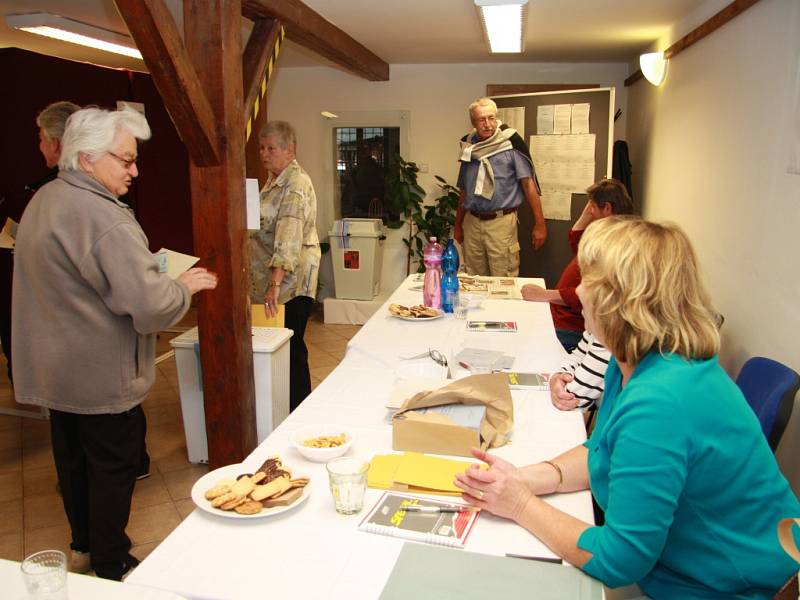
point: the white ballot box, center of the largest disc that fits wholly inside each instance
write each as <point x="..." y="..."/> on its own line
<point x="271" y="375"/>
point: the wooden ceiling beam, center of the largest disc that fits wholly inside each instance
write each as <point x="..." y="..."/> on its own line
<point x="156" y="34"/>
<point x="256" y="56"/>
<point x="310" y="29"/>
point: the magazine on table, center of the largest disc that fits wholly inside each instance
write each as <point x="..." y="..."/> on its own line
<point x="421" y="519"/>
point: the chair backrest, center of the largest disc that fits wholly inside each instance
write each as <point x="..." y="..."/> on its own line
<point x="769" y="388"/>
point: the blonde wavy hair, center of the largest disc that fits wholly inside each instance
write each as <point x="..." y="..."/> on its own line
<point x="643" y="283"/>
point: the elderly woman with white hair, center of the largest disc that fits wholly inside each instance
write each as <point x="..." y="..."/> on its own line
<point x="88" y="300"/>
<point x="285" y="252"/>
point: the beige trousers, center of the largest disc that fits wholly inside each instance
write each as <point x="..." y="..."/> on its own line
<point x="491" y="247"/>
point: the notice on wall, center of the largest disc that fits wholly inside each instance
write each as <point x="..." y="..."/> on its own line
<point x="580" y="118"/>
<point x="562" y="118"/>
<point x="564" y="165"/>
<point x="544" y="119"/>
<point x="556" y="204"/>
<point x="514" y="117"/>
<point x="252" y="200"/>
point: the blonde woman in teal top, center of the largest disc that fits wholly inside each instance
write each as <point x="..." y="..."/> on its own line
<point x="690" y="488"/>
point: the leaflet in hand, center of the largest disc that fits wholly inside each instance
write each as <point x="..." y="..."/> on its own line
<point x="174" y="263"/>
<point x="390" y="517"/>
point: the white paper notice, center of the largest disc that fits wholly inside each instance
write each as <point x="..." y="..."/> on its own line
<point x="562" y="117"/>
<point x="580" y="118"/>
<point x="564" y="164"/>
<point x="544" y="119"/>
<point x="514" y="117"/>
<point x="174" y="263"/>
<point x="253" y="201"/>
<point x="556" y="204"/>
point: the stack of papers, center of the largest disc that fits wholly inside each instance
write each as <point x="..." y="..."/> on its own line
<point x="493" y="287"/>
<point x="415" y="472"/>
<point x="494" y="359"/>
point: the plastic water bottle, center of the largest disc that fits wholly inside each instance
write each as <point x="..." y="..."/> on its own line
<point x="450" y="277"/>
<point x="450" y="260"/>
<point x="431" y="288"/>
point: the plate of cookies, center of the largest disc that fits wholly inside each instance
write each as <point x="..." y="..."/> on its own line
<point x="414" y="313"/>
<point x="236" y="493"/>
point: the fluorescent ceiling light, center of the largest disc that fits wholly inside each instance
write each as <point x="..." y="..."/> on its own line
<point x="654" y="67"/>
<point x="503" y="22"/>
<point x="76" y="32"/>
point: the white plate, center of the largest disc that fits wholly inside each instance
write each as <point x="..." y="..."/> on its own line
<point x="207" y="481"/>
<point x="439" y="316"/>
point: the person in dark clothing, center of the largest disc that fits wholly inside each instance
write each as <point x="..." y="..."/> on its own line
<point x="51" y="122"/>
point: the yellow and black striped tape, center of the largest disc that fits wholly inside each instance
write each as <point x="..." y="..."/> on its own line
<point x="273" y="58"/>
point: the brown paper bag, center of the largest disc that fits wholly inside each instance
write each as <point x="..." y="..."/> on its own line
<point x="490" y="390"/>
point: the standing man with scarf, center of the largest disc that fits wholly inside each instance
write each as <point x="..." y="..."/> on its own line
<point x="495" y="177"/>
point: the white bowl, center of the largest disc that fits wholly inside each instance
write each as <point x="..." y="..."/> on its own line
<point x="314" y="431"/>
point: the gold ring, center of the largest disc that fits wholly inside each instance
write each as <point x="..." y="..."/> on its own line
<point x="480" y="494"/>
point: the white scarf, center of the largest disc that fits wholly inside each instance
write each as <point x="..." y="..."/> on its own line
<point x="500" y="141"/>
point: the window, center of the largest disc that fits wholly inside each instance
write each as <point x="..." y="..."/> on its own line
<point x="363" y="156"/>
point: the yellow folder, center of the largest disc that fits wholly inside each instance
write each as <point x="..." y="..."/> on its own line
<point x="416" y="473"/>
<point x="259" y="317"/>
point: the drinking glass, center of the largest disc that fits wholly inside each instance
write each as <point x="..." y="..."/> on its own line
<point x="348" y="481"/>
<point x="45" y="575"/>
<point x="462" y="306"/>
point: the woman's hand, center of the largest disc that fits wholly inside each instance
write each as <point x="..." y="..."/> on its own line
<point x="533" y="293"/>
<point x="501" y="489"/>
<point x="561" y="398"/>
<point x="198" y="279"/>
<point x="271" y="301"/>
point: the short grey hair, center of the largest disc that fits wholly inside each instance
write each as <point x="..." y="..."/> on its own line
<point x="482" y="102"/>
<point x="53" y="118"/>
<point x="91" y="131"/>
<point x="283" y="131"/>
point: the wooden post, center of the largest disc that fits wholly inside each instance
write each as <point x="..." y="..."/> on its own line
<point x="213" y="42"/>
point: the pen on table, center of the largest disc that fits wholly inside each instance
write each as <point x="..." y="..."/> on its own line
<point x="437" y="509"/>
<point x="548" y="559"/>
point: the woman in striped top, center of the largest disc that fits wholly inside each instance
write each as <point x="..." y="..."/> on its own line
<point x="578" y="383"/>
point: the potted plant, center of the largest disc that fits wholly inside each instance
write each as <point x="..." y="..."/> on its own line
<point x="436" y="219"/>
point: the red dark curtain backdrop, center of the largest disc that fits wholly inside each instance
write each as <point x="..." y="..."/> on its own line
<point x="31" y="81"/>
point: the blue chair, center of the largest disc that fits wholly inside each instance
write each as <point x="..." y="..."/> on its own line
<point x="769" y="388"/>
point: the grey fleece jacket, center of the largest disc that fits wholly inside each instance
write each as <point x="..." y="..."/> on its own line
<point x="87" y="302"/>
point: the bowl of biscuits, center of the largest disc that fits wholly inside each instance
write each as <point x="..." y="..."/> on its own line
<point x="321" y="443"/>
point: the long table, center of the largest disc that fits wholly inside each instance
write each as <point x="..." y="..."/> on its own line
<point x="311" y="551"/>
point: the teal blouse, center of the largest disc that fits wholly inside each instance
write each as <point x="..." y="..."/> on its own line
<point x="691" y="491"/>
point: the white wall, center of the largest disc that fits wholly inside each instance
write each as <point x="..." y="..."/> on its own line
<point x="710" y="150"/>
<point x="435" y="98"/>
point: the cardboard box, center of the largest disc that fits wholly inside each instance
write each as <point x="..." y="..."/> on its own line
<point x="437" y="434"/>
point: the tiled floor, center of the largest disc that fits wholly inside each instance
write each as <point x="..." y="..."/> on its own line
<point x="32" y="514"/>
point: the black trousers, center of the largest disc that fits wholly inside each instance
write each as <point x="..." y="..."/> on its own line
<point x="97" y="459"/>
<point x="297" y="312"/>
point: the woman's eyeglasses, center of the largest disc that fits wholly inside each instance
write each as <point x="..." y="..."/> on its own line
<point x="125" y="162"/>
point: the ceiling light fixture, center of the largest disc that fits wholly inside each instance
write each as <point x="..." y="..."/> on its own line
<point x="654" y="67"/>
<point x="503" y="23"/>
<point x="76" y="32"/>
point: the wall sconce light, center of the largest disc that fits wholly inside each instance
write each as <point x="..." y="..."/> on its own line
<point x="654" y="67"/>
<point x="504" y="24"/>
<point x="76" y="32"/>
<point x="329" y="115"/>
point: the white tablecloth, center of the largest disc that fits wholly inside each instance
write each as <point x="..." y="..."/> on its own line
<point x="311" y="551"/>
